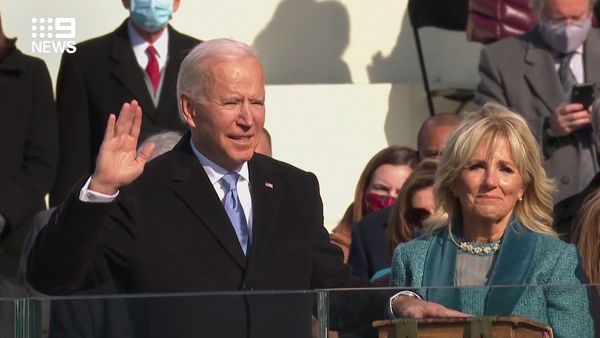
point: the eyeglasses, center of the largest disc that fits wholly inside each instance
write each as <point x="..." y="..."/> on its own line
<point x="416" y="216"/>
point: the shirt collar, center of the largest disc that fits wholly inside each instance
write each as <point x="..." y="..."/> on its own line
<point x="578" y="51"/>
<point x="138" y="43"/>
<point x="214" y="171"/>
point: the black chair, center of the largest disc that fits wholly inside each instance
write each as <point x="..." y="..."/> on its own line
<point x="445" y="14"/>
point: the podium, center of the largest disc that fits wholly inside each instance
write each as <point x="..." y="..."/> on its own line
<point x="472" y="327"/>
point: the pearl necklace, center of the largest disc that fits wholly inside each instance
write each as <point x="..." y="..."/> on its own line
<point x="479" y="249"/>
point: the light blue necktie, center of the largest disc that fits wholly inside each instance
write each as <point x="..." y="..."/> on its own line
<point x="235" y="211"/>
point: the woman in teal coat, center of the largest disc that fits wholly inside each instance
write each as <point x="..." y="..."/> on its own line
<point x="492" y="228"/>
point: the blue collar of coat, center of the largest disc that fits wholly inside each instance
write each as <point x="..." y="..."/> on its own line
<point x="511" y="269"/>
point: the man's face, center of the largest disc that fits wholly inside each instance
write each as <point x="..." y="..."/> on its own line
<point x="567" y="11"/>
<point x="489" y="187"/>
<point x="150" y="16"/>
<point x="434" y="141"/>
<point x="127" y="4"/>
<point x="227" y="121"/>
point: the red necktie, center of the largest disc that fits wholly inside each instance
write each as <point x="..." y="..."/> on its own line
<point x="152" y="68"/>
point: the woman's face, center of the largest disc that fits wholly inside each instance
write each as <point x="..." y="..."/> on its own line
<point x="388" y="179"/>
<point x="423" y="199"/>
<point x="422" y="205"/>
<point x="490" y="185"/>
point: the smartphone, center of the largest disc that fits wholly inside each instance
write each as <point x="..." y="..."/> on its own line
<point x="583" y="93"/>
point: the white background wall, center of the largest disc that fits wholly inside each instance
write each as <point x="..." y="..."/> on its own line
<point x="345" y="81"/>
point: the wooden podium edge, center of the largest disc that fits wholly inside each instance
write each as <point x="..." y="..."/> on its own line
<point x="515" y="320"/>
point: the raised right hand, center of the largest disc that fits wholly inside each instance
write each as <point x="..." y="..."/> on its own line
<point x="415" y="308"/>
<point x="118" y="162"/>
<point x="569" y="117"/>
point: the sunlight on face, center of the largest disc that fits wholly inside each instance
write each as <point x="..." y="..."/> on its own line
<point x="434" y="142"/>
<point x="423" y="199"/>
<point x="229" y="117"/>
<point x="388" y="179"/>
<point x="567" y="11"/>
<point x="489" y="186"/>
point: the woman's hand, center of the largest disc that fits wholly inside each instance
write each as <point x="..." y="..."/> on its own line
<point x="411" y="307"/>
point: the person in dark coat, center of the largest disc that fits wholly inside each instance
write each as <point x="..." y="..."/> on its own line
<point x="111" y="69"/>
<point x="28" y="144"/>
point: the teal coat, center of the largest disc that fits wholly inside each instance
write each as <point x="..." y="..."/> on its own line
<point x="548" y="270"/>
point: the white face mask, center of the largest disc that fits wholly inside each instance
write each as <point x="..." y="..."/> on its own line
<point x="565" y="38"/>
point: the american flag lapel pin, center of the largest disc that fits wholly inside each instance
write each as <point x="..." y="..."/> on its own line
<point x="269" y="185"/>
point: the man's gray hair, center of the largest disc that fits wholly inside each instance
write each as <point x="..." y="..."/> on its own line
<point x="163" y="142"/>
<point x="192" y="73"/>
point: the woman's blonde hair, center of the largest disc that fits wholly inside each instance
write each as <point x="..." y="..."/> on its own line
<point x="586" y="236"/>
<point x="492" y="124"/>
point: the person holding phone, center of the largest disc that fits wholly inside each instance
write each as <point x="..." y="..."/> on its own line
<point x="540" y="75"/>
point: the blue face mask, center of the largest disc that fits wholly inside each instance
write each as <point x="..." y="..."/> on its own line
<point x="151" y="15"/>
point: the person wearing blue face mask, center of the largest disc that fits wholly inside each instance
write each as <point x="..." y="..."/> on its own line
<point x="534" y="75"/>
<point x="152" y="15"/>
<point x="138" y="61"/>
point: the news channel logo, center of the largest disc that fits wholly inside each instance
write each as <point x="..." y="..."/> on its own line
<point x="53" y="35"/>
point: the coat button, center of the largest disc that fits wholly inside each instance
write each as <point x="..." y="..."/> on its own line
<point x="565" y="180"/>
<point x="244" y="286"/>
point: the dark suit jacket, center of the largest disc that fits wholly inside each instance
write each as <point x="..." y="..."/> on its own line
<point x="168" y="232"/>
<point x="91" y="317"/>
<point x="519" y="73"/>
<point x="369" y="249"/>
<point x="82" y="318"/>
<point x="566" y="210"/>
<point x="29" y="148"/>
<point x="95" y="81"/>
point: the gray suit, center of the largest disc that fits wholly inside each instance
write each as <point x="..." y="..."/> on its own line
<point x="519" y="73"/>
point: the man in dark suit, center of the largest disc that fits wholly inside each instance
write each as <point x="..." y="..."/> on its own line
<point x="533" y="74"/>
<point x="565" y="212"/>
<point x="182" y="226"/>
<point x="106" y="71"/>
<point x="28" y="146"/>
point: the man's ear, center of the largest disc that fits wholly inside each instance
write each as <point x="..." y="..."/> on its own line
<point x="126" y="4"/>
<point x="175" y="5"/>
<point x="187" y="107"/>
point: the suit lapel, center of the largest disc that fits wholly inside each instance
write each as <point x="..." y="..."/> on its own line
<point x="127" y="71"/>
<point x="541" y="74"/>
<point x="192" y="185"/>
<point x="591" y="55"/>
<point x="439" y="271"/>
<point x="512" y="268"/>
<point x="266" y="190"/>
